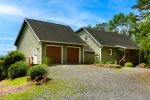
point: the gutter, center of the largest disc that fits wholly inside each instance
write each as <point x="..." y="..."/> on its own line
<point x="61" y="42"/>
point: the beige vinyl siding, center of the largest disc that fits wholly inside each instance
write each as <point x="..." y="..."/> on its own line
<point x="89" y="58"/>
<point x="89" y="41"/>
<point x="116" y="54"/>
<point x="27" y="42"/>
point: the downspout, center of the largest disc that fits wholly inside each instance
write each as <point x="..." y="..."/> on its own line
<point x="83" y="54"/>
<point x="41" y="56"/>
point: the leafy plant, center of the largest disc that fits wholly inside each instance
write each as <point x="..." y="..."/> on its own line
<point x="108" y="62"/>
<point x="142" y="65"/>
<point x="11" y="58"/>
<point x="38" y="70"/>
<point x="18" y="69"/>
<point x="47" y="61"/>
<point x="1" y="70"/>
<point x="1" y="57"/>
<point x="128" y="64"/>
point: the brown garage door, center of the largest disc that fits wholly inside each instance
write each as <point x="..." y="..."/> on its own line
<point x="54" y="53"/>
<point x="73" y="55"/>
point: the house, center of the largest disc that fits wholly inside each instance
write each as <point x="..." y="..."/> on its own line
<point x="39" y="40"/>
<point x="110" y="46"/>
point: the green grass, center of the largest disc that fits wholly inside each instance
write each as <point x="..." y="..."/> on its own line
<point x="54" y="89"/>
<point x="17" y="81"/>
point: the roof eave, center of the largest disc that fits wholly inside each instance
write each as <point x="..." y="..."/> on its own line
<point x="119" y="47"/>
<point x="23" y="25"/>
<point x="19" y="33"/>
<point x="62" y="42"/>
<point x="79" y="30"/>
<point x="91" y="36"/>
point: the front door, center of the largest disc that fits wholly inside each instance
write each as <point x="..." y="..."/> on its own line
<point x="34" y="56"/>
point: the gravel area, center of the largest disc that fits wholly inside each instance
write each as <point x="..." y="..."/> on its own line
<point x="99" y="83"/>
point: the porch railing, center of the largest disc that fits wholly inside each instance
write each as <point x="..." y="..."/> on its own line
<point x="122" y="61"/>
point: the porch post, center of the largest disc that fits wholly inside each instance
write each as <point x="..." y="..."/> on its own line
<point x="100" y="54"/>
<point x="124" y="55"/>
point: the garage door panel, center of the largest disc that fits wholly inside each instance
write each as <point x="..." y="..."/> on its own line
<point x="54" y="53"/>
<point x="73" y="55"/>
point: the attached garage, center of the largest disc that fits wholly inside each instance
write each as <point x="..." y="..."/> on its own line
<point x="57" y="42"/>
<point x="73" y="55"/>
<point x="54" y="53"/>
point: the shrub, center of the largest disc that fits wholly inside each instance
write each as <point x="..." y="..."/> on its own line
<point x="38" y="70"/>
<point x="47" y="61"/>
<point x="115" y="62"/>
<point x="108" y="62"/>
<point x="128" y="64"/>
<point x="1" y="69"/>
<point x="142" y="65"/>
<point x="1" y="57"/>
<point x="11" y="58"/>
<point x="18" y="69"/>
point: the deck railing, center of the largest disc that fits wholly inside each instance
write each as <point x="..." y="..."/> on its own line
<point x="122" y="61"/>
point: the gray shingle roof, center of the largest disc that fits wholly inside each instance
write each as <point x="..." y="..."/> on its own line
<point x="46" y="31"/>
<point x="112" y="39"/>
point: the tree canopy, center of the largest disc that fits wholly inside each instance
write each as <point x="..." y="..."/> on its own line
<point x="137" y="27"/>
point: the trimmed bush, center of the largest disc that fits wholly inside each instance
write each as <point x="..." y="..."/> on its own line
<point x="11" y="58"/>
<point x="18" y="69"/>
<point x="38" y="70"/>
<point x="128" y="64"/>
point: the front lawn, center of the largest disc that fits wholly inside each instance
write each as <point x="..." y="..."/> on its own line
<point x="78" y="82"/>
<point x="54" y="89"/>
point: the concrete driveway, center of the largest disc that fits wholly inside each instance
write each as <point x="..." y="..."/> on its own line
<point x="99" y="83"/>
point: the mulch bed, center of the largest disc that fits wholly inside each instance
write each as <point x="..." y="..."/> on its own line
<point x="109" y="65"/>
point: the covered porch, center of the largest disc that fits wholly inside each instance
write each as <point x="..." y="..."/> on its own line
<point x="130" y="55"/>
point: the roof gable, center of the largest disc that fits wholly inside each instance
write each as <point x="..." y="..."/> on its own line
<point x="111" y="39"/>
<point x="51" y="32"/>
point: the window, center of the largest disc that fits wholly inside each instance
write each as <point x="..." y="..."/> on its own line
<point x="109" y="51"/>
<point x="34" y="52"/>
<point x="86" y="38"/>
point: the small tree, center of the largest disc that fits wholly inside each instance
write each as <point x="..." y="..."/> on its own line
<point x="47" y="61"/>
<point x="1" y="69"/>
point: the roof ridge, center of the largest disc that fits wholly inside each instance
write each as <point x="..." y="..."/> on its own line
<point x="105" y="31"/>
<point x="45" y="22"/>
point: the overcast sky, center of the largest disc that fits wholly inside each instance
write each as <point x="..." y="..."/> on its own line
<point x="75" y="13"/>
